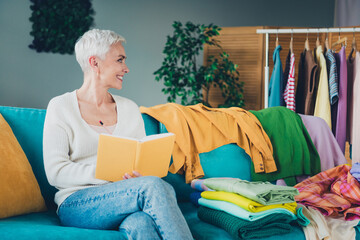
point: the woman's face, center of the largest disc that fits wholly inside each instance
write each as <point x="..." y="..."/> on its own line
<point x="113" y="68"/>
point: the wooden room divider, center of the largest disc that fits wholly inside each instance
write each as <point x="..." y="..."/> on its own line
<point x="247" y="49"/>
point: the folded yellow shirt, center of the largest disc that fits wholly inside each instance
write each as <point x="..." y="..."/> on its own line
<point x="244" y="202"/>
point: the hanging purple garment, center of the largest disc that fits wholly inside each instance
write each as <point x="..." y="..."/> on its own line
<point x="325" y="143"/>
<point x="340" y="133"/>
<point x="351" y="63"/>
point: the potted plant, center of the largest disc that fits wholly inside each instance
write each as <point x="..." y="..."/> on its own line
<point x="185" y="79"/>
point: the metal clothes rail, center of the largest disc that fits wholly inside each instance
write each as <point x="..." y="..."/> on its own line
<point x="293" y="31"/>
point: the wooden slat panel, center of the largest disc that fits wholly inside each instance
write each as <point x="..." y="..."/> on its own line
<point x="245" y="48"/>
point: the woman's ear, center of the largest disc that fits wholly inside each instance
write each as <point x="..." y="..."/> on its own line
<point x="94" y="64"/>
<point x="93" y="61"/>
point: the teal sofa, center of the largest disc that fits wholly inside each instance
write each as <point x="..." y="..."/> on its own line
<point x="27" y="125"/>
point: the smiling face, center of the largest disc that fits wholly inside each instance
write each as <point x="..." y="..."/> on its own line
<point x="112" y="69"/>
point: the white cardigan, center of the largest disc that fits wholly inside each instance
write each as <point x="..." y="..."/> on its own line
<point x="70" y="144"/>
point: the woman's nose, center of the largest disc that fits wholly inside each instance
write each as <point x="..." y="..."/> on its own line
<point x="126" y="69"/>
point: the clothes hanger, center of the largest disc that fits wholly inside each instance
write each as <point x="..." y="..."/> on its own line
<point x="291" y="47"/>
<point x="277" y="39"/>
<point x="307" y="47"/>
<point x="341" y="42"/>
<point x="327" y="46"/>
<point x="317" y="40"/>
<point x="353" y="45"/>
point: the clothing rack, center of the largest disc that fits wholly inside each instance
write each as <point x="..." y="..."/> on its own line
<point x="292" y="31"/>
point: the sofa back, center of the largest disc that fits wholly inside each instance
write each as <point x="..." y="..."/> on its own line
<point x="27" y="125"/>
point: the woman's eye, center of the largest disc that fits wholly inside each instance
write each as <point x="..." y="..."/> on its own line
<point x="121" y="59"/>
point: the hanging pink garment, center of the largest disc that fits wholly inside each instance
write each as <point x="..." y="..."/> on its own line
<point x="356" y="114"/>
<point x="289" y="93"/>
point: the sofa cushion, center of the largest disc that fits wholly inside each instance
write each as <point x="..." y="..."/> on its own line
<point x="226" y="161"/>
<point x="46" y="225"/>
<point x="20" y="192"/>
<point x="27" y="125"/>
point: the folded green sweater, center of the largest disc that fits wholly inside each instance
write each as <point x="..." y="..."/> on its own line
<point x="241" y="229"/>
<point x="261" y="192"/>
<point x="293" y="150"/>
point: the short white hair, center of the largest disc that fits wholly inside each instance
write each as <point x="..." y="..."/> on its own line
<point x="94" y="42"/>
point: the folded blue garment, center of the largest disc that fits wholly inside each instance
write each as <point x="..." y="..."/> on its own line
<point x="194" y="198"/>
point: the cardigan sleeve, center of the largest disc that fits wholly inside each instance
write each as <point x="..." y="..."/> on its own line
<point x="60" y="170"/>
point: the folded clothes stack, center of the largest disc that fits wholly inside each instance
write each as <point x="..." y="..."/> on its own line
<point x="248" y="209"/>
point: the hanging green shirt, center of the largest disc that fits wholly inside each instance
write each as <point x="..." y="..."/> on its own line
<point x="293" y="150"/>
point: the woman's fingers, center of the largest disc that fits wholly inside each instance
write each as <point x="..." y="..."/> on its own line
<point x="137" y="174"/>
<point x="127" y="176"/>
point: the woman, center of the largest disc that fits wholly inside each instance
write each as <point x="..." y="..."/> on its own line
<point x="141" y="207"/>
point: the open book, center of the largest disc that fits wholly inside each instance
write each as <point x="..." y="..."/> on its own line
<point x="150" y="156"/>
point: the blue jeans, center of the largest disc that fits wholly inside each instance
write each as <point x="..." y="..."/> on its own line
<point x="143" y="207"/>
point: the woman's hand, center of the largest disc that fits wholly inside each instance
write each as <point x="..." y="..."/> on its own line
<point x="134" y="175"/>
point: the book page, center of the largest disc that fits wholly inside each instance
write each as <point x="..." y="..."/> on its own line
<point x="154" y="156"/>
<point x="144" y="139"/>
<point x="124" y="137"/>
<point x="115" y="157"/>
<point x="155" y="136"/>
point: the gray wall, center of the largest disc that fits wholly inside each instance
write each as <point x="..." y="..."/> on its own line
<point x="30" y="79"/>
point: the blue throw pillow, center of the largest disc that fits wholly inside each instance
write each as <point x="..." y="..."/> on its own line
<point x="226" y="161"/>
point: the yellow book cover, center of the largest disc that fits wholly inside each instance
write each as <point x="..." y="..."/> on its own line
<point x="150" y="156"/>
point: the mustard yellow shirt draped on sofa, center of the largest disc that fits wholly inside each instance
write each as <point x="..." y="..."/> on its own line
<point x="201" y="129"/>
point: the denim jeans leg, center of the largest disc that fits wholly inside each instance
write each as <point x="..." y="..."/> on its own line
<point x="105" y="207"/>
<point x="140" y="226"/>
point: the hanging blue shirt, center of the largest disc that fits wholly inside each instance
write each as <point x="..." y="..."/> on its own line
<point x="276" y="89"/>
<point x="333" y="77"/>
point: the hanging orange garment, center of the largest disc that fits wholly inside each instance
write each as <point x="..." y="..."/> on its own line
<point x="201" y="129"/>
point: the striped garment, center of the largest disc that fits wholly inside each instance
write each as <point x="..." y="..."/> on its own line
<point x="333" y="77"/>
<point x="332" y="192"/>
<point x="289" y="93"/>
